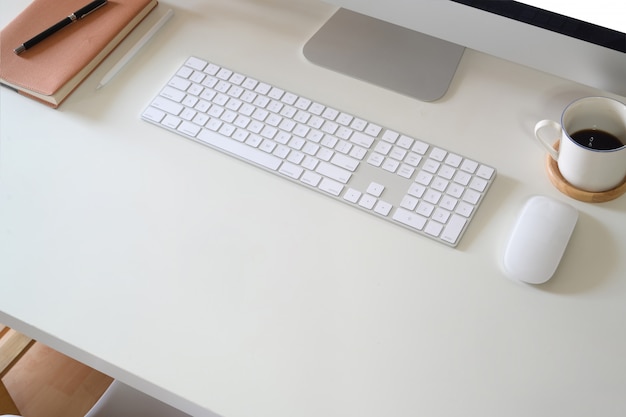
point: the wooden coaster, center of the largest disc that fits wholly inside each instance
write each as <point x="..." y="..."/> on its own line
<point x="568" y="189"/>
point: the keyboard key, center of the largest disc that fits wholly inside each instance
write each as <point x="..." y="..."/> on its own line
<point x="376" y="159"/>
<point x="345" y="162"/>
<point x="189" y="128"/>
<point x="383" y="208"/>
<point x="448" y="202"/>
<point x="311" y="178"/>
<point x="173" y="94"/>
<point x="485" y="172"/>
<point x="330" y="114"/>
<point x="433" y="228"/>
<point x="185" y="72"/>
<point x="373" y="130"/>
<point x="153" y="114"/>
<point x="406" y="171"/>
<point x="358" y="152"/>
<point x="465" y="209"/>
<point x="333" y="172"/>
<point x="352" y="195"/>
<point x="453" y="160"/>
<point x="469" y="166"/>
<point x="438" y="154"/>
<point x="453" y="229"/>
<point x="241" y="150"/>
<point x="358" y="124"/>
<point x="291" y="170"/>
<point x="167" y="106"/>
<point x="176" y="84"/>
<point x="397" y="153"/>
<point x="416" y="190"/>
<point x="424" y="178"/>
<point x="441" y="215"/>
<point x="383" y="148"/>
<point x="330" y="186"/>
<point x="375" y="189"/>
<point x="367" y="201"/>
<point x="405" y="142"/>
<point x="413" y="159"/>
<point x="409" y="218"/>
<point x="362" y="140"/>
<point x="462" y="178"/>
<point x="471" y="196"/>
<point x="196" y="63"/>
<point x="409" y="202"/>
<point x="171" y="121"/>
<point x="390" y="165"/>
<point x="390" y="136"/>
<point x="425" y="209"/>
<point x="431" y="166"/>
<point x="420" y="147"/>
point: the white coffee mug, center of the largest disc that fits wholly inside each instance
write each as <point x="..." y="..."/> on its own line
<point x="591" y="155"/>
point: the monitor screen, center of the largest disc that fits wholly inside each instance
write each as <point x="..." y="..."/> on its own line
<point x="602" y="13"/>
<point x="413" y="47"/>
<point x="566" y="18"/>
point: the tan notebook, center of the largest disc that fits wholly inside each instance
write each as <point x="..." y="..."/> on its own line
<point x="52" y="69"/>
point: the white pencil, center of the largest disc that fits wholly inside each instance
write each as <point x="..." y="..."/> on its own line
<point x="133" y="51"/>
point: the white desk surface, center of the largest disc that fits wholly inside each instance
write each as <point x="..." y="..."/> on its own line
<point x="223" y="289"/>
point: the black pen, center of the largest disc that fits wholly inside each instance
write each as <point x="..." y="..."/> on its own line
<point x="77" y="15"/>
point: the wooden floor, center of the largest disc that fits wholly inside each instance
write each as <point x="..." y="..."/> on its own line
<point x="45" y="383"/>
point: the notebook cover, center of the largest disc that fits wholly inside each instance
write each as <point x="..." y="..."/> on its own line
<point x="48" y="67"/>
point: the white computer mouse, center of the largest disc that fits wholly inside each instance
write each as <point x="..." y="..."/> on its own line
<point x="538" y="240"/>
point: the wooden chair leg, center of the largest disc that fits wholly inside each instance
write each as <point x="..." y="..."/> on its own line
<point x="7" y="406"/>
<point x="13" y="345"/>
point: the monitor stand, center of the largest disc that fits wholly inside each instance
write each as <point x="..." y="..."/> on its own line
<point x="384" y="54"/>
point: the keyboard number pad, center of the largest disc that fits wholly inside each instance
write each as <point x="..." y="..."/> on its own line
<point x="450" y="189"/>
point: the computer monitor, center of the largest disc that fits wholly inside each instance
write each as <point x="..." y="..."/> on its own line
<point x="414" y="46"/>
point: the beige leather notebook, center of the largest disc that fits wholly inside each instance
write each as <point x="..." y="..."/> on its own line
<point x="50" y="70"/>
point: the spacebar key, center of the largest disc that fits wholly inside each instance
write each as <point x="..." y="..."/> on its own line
<point x="239" y="149"/>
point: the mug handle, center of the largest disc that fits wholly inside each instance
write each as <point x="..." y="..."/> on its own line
<point x="555" y="134"/>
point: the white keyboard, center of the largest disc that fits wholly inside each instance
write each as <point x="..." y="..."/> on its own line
<point x="404" y="180"/>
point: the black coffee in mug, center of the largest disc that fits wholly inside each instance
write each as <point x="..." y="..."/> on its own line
<point x="597" y="139"/>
